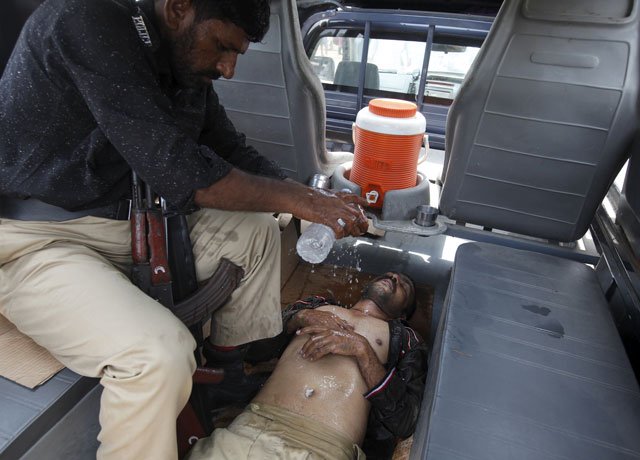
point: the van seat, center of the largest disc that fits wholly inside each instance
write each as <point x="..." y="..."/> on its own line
<point x="348" y="74"/>
<point x="527" y="364"/>
<point x="544" y="119"/>
<point x="277" y="100"/>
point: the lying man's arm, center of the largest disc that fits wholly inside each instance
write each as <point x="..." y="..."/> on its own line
<point x="346" y="342"/>
<point x="303" y="313"/>
<point x="295" y="316"/>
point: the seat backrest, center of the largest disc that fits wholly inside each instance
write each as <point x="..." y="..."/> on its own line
<point x="545" y="118"/>
<point x="348" y="74"/>
<point x="277" y="101"/>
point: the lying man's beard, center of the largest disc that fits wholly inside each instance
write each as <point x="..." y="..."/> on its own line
<point x="378" y="296"/>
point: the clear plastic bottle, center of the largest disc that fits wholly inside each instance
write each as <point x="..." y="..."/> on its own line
<point x="315" y="243"/>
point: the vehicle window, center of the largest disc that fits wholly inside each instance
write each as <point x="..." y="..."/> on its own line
<point x="448" y="65"/>
<point x="324" y="58"/>
<point x="398" y="63"/>
<point x="619" y="180"/>
<point x="336" y="61"/>
<point x="393" y="66"/>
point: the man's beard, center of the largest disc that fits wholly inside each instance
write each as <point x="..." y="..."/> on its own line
<point x="378" y="295"/>
<point x="181" y="49"/>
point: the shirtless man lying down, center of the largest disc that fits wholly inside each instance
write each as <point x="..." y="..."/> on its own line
<point x="344" y="370"/>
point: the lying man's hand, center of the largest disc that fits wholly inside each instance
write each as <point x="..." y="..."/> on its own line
<point x="346" y="342"/>
<point x="324" y="341"/>
<point x="326" y="319"/>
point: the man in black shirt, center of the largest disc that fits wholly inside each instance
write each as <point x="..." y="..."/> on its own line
<point x="93" y="90"/>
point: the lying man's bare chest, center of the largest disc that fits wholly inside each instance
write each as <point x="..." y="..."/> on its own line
<point x="329" y="390"/>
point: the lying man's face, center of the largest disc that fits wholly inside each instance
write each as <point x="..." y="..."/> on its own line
<point x="392" y="292"/>
<point x="206" y="50"/>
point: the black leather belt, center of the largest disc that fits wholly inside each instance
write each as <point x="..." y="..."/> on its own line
<point x="32" y="209"/>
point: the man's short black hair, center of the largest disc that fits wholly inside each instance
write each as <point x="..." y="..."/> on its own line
<point x="252" y="16"/>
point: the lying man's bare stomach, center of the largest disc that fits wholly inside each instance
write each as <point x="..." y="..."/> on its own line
<point x="331" y="389"/>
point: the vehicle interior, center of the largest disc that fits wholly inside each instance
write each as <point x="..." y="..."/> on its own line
<point x="528" y="279"/>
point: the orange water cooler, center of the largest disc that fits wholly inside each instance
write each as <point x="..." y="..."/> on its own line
<point x="388" y="136"/>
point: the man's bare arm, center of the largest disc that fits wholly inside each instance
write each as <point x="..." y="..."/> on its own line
<point x="312" y="317"/>
<point x="239" y="191"/>
<point x="324" y="341"/>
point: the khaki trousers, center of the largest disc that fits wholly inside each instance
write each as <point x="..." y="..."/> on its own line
<point x="268" y="432"/>
<point x="66" y="285"/>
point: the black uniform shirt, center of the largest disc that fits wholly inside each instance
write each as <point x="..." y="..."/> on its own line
<point x="82" y="102"/>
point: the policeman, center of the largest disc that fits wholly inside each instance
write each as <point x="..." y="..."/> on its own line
<point x="93" y="90"/>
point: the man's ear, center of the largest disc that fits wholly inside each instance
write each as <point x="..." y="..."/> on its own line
<point x="176" y="12"/>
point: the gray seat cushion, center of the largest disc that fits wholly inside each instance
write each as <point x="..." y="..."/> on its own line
<point x="528" y="364"/>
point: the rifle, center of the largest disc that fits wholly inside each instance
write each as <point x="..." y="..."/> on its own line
<point x="163" y="263"/>
<point x="151" y="271"/>
<point x="164" y="268"/>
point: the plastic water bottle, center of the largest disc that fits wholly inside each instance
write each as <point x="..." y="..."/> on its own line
<point x="315" y="243"/>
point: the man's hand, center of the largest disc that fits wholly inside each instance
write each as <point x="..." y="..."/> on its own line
<point x="339" y="210"/>
<point x="240" y="191"/>
<point x="312" y="317"/>
<point x="324" y="341"/>
<point x="345" y="342"/>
